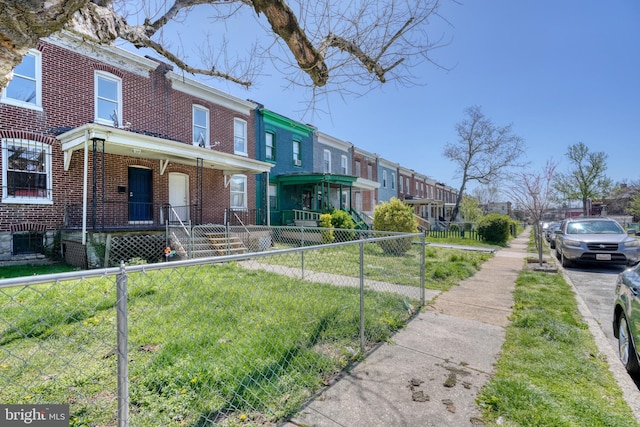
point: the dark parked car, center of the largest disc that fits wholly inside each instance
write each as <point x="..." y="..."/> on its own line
<point x="550" y="234"/>
<point x="626" y="317"/>
<point x="596" y="240"/>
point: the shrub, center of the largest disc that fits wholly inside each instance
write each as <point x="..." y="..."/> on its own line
<point x="342" y="219"/>
<point x="494" y="228"/>
<point x="395" y="216"/>
<point x="327" y="233"/>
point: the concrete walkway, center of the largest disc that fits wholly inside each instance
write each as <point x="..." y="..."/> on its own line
<point x="433" y="370"/>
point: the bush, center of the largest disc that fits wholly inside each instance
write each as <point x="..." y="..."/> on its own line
<point x="342" y="220"/>
<point x="327" y="234"/>
<point x="395" y="216"/>
<point x="494" y="228"/>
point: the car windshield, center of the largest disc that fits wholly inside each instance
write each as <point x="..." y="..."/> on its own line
<point x="594" y="227"/>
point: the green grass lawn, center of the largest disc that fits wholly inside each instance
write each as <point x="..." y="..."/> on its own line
<point x="549" y="372"/>
<point x="444" y="267"/>
<point x="33" y="269"/>
<point x="210" y="342"/>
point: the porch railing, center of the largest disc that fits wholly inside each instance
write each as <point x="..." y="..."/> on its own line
<point x="235" y="216"/>
<point x="125" y="215"/>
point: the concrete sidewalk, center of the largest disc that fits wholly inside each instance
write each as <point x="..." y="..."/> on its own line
<point x="432" y="372"/>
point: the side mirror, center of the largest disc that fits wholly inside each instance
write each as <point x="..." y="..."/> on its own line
<point x="631" y="232"/>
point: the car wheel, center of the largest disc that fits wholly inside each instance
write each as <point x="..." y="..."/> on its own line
<point x="626" y="349"/>
<point x="565" y="262"/>
<point x="552" y="244"/>
<point x="557" y="254"/>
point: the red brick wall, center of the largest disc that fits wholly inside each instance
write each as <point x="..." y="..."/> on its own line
<point x="149" y="104"/>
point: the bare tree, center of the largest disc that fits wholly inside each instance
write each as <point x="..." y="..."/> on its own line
<point x="586" y="179"/>
<point x="533" y="192"/>
<point x="368" y="43"/>
<point x="485" y="194"/>
<point x="483" y="152"/>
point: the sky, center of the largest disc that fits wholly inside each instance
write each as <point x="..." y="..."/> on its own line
<point x="558" y="71"/>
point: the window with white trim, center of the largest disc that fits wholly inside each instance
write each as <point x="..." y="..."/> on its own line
<point x="343" y="165"/>
<point x="108" y="99"/>
<point x="240" y="137"/>
<point x="25" y="89"/>
<point x="297" y="160"/>
<point x="358" y="168"/>
<point x="401" y="185"/>
<point x="200" y="126"/>
<point x="238" y="188"/>
<point x="326" y="161"/>
<point x="384" y="179"/>
<point x="393" y="181"/>
<point x="26" y="171"/>
<point x="369" y="172"/>
<point x="270" y="146"/>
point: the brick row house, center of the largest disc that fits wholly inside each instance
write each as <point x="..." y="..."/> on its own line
<point x="97" y="139"/>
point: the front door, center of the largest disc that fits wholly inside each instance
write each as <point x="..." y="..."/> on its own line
<point x="140" y="195"/>
<point x="179" y="197"/>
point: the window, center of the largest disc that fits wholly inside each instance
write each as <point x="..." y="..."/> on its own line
<point x="393" y="181"/>
<point x="358" y="168"/>
<point x="407" y="184"/>
<point x="240" y="137"/>
<point x="26" y="171"/>
<point x="326" y="161"/>
<point x="28" y="242"/>
<point x="369" y="172"/>
<point x="296" y="153"/>
<point x="273" y="197"/>
<point x="108" y="99"/>
<point x="343" y="165"/>
<point x="384" y="179"/>
<point x="200" y="126"/>
<point x="239" y="192"/>
<point x="270" y="148"/>
<point x="401" y="185"/>
<point x="25" y="89"/>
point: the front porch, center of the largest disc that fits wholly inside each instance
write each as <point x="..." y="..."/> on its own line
<point x="302" y="198"/>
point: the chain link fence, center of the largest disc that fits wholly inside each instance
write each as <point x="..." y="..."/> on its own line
<point x="233" y="340"/>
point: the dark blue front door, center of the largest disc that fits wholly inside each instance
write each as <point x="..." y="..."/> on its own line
<point x="140" y="197"/>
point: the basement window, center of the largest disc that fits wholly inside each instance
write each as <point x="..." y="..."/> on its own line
<point x="30" y="242"/>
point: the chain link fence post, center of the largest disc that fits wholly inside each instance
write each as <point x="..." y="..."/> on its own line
<point x="123" y="353"/>
<point x="362" y="340"/>
<point x="423" y="246"/>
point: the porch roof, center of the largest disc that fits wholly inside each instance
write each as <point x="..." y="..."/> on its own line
<point x="132" y="144"/>
<point x="316" y="178"/>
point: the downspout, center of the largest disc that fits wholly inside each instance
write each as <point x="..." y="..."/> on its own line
<point x="84" y="187"/>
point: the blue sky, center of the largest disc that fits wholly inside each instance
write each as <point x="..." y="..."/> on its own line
<point x="559" y="71"/>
